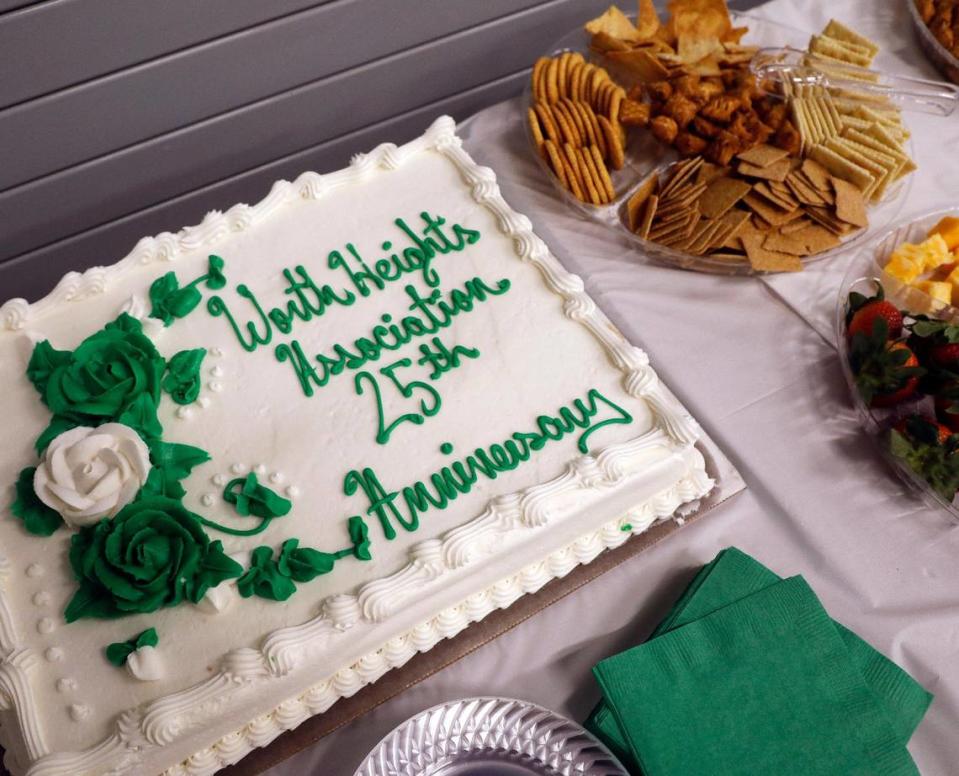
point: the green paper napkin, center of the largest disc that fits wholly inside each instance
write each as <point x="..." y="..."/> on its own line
<point x="764" y="685"/>
<point x="733" y="575"/>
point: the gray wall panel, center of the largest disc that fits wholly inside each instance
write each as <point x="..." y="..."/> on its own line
<point x="137" y="177"/>
<point x="34" y="274"/>
<point x="52" y="45"/>
<point x="78" y="124"/>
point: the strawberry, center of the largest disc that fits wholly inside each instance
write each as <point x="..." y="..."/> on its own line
<point x="869" y="314"/>
<point x="866" y="318"/>
<point x="945" y="355"/>
<point x="887" y="373"/>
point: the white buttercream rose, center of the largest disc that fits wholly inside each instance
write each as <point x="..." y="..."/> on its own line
<point x="90" y="473"/>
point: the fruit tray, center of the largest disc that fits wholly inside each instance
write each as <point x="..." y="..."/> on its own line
<point x="911" y="430"/>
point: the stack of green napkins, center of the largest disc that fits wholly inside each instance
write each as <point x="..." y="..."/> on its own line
<point x="749" y="675"/>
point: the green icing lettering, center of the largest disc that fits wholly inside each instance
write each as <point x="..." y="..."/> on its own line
<point x="445" y="485"/>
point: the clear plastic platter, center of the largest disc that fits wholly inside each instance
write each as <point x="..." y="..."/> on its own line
<point x="644" y="155"/>
<point x="490" y="737"/>
<point x="945" y="62"/>
<point x="865" y="270"/>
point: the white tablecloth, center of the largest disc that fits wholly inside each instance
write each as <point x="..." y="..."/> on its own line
<point x="768" y="388"/>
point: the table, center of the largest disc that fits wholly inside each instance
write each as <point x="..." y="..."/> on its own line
<point x="754" y="361"/>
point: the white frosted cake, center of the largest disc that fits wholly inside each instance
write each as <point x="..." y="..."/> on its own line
<point x="260" y="462"/>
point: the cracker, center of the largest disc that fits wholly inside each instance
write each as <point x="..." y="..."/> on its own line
<point x="576" y="184"/>
<point x="552" y="81"/>
<point x="572" y="115"/>
<point x="877" y="171"/>
<point x="763" y="155"/>
<point x="649" y="211"/>
<point x="684" y="196"/>
<point x="795" y="226"/>
<point x="772" y="215"/>
<point x="592" y="123"/>
<point x="817" y="174"/>
<point x="842" y="168"/>
<point x="636" y="201"/>
<point x="850" y="204"/>
<point x="827" y="219"/>
<point x="763" y="260"/>
<point x="536" y="132"/>
<point x="565" y="125"/>
<point x="785" y="243"/>
<point x="616" y="155"/>
<point x="777" y="171"/>
<point x="536" y="78"/>
<point x="640" y="64"/>
<point x="550" y="129"/>
<point x="562" y="73"/>
<point x="681" y="172"/>
<point x="556" y="163"/>
<point x="847" y="51"/>
<point x="587" y="157"/>
<point x="786" y="203"/>
<point x="721" y="195"/>
<point x="841" y="32"/>
<point x="585" y="174"/>
<point x="818" y="239"/>
<point x="604" y="179"/>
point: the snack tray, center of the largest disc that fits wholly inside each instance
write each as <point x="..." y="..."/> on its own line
<point x="865" y="270"/>
<point x="645" y="156"/>
<point x="945" y="62"/>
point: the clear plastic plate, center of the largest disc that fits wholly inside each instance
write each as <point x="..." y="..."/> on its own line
<point x="645" y="156"/>
<point x="864" y="271"/>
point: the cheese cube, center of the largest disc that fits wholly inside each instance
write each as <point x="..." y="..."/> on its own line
<point x="935" y="252"/>
<point x="948" y="229"/>
<point x="938" y="290"/>
<point x="903" y="269"/>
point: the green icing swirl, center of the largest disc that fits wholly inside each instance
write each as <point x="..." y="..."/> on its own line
<point x="153" y="554"/>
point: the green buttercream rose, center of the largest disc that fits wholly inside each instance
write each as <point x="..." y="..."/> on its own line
<point x="154" y="553"/>
<point x="105" y="375"/>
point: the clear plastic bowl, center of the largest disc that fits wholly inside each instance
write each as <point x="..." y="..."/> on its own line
<point x="944" y="61"/>
<point x="864" y="271"/>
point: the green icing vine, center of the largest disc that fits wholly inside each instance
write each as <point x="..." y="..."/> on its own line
<point x="251" y="498"/>
<point x="170" y="301"/>
<point x="275" y="578"/>
<point x="119" y="651"/>
<point x="153" y="554"/>
<point x="182" y="378"/>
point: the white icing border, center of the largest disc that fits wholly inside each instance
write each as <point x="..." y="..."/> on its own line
<point x="161" y="722"/>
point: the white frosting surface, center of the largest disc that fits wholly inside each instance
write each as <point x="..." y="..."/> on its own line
<point x="247" y="669"/>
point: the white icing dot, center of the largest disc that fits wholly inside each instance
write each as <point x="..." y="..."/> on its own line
<point x="238" y="468"/>
<point x="217" y="371"/>
<point x="276" y="477"/>
<point x="79" y="712"/>
<point x="292" y="491"/>
<point x="207" y="500"/>
<point x="216" y="352"/>
<point x="45" y="625"/>
<point x="67" y="684"/>
<point x="42" y="598"/>
<point x="203" y="401"/>
<point x="218" y="479"/>
<point x="184" y="412"/>
<point x="54" y="654"/>
<point x="215" y="386"/>
<point x="260" y="468"/>
<point x="34" y="570"/>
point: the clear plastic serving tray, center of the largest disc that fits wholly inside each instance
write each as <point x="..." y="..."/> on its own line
<point x="645" y="156"/>
<point x="945" y="62"/>
<point x="865" y="270"/>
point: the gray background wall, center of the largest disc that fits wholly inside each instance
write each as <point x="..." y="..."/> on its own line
<point x="125" y="118"/>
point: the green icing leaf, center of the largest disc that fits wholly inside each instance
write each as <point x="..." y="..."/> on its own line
<point x="303" y="563"/>
<point x="215" y="279"/>
<point x="43" y="361"/>
<point x="182" y="379"/>
<point x="153" y="554"/>
<point x="264" y="578"/>
<point x="37" y="517"/>
<point x="118" y="652"/>
<point x="177" y="459"/>
<point x="58" y="424"/>
<point x="360" y="536"/>
<point x="170" y="301"/>
<point x="251" y="498"/>
<point x="141" y="416"/>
